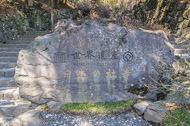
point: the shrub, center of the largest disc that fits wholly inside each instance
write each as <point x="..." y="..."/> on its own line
<point x="173" y="82"/>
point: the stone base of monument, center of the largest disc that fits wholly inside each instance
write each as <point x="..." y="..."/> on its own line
<point x="152" y="111"/>
<point x="91" y="62"/>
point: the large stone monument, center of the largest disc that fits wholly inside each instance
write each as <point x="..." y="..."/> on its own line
<point x="91" y="62"/>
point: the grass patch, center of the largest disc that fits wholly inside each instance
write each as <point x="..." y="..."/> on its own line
<point x="44" y="107"/>
<point x="178" y="117"/>
<point x="98" y="107"/>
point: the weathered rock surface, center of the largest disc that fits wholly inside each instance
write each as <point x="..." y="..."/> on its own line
<point x="90" y="63"/>
<point x="30" y="118"/>
<point x="141" y="107"/>
<point x="155" y="112"/>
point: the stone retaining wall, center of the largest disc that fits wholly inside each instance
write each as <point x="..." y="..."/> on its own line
<point x="174" y="14"/>
<point x="41" y="20"/>
<point x="12" y="25"/>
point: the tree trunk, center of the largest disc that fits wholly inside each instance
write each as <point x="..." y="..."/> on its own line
<point x="52" y="19"/>
<point x="52" y="16"/>
<point x="156" y="14"/>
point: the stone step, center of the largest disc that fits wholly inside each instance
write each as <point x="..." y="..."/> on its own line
<point x="5" y="121"/>
<point x="181" y="46"/>
<point x="21" y="40"/>
<point x="10" y="54"/>
<point x="173" y="42"/>
<point x="7" y="65"/>
<point x="37" y="32"/>
<point x="14" y="107"/>
<point x="18" y="42"/>
<point x="187" y="56"/>
<point x="34" y="35"/>
<point x="180" y="43"/>
<point x="8" y="59"/>
<point x="14" y="45"/>
<point x="7" y="72"/>
<point x="30" y="37"/>
<point x="7" y="82"/>
<point x="10" y="49"/>
<point x="181" y="51"/>
<point x="9" y="93"/>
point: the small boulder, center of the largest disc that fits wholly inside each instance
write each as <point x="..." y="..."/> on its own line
<point x="30" y="118"/>
<point x="155" y="112"/>
<point x="141" y="107"/>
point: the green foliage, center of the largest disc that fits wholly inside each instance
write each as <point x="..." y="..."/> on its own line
<point x="174" y="83"/>
<point x="166" y="77"/>
<point x="44" y="107"/>
<point x="98" y="108"/>
<point x="179" y="117"/>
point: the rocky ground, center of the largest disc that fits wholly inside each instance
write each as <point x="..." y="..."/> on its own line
<point x="63" y="119"/>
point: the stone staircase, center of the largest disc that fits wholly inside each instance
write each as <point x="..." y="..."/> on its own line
<point x="182" y="50"/>
<point x="11" y="104"/>
<point x="181" y="47"/>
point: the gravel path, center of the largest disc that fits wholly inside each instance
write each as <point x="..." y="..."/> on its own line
<point x="63" y="119"/>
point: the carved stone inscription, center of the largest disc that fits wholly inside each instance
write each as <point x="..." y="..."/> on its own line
<point x="100" y="66"/>
<point x="91" y="55"/>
